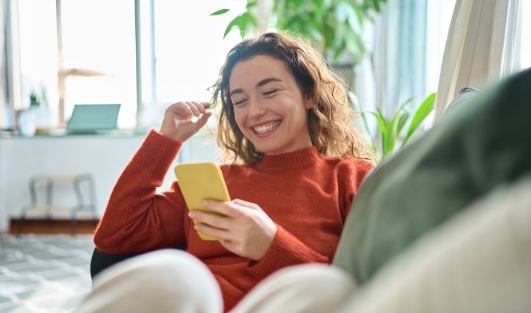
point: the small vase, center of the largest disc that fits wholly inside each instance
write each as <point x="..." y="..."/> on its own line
<point x="44" y="118"/>
<point x="27" y="122"/>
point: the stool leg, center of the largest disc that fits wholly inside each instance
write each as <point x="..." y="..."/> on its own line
<point x="33" y="195"/>
<point x="93" y="197"/>
<point x="21" y="222"/>
<point x="49" y="194"/>
<point x="81" y="203"/>
<point x="73" y="224"/>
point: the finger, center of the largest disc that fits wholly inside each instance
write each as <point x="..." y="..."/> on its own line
<point x="181" y="109"/>
<point x="246" y="204"/>
<point x="211" y="219"/>
<point x="194" y="109"/>
<point x="224" y="208"/>
<point x="227" y="244"/>
<point x="203" y="120"/>
<point x="221" y="234"/>
<point x="200" y="107"/>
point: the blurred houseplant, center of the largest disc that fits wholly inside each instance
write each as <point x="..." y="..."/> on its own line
<point x="390" y="135"/>
<point x="43" y="114"/>
<point x="335" y="25"/>
<point x="34" y="99"/>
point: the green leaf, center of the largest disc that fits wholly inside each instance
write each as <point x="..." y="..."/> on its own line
<point x="405" y="102"/>
<point x="376" y="4"/>
<point x="392" y="131"/>
<point x="382" y="122"/>
<point x="219" y="12"/>
<point x="382" y="128"/>
<point x="341" y="12"/>
<point x="251" y="4"/>
<point x="424" y="110"/>
<point x="314" y="33"/>
<point x="243" y="21"/>
<point x="320" y="6"/>
<point x="250" y="20"/>
<point x="352" y="17"/>
<point x="354" y="45"/>
<point x="402" y="121"/>
<point x="232" y="23"/>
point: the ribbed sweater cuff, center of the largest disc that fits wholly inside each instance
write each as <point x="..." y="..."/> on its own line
<point x="157" y="152"/>
<point x="285" y="250"/>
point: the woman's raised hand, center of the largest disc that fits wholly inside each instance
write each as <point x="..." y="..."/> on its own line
<point x="244" y="229"/>
<point x="178" y="124"/>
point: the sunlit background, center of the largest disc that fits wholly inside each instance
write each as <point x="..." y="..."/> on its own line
<point x="179" y="62"/>
<point x="181" y="52"/>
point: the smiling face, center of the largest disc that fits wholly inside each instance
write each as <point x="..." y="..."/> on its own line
<point x="269" y="107"/>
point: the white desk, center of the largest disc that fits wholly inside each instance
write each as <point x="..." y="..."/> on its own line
<point x="104" y="156"/>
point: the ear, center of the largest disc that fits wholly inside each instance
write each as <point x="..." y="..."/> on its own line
<point x="309" y="102"/>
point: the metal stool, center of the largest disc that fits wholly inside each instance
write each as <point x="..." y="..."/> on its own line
<point x="82" y="202"/>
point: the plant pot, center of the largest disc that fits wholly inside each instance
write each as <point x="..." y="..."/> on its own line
<point x="27" y="122"/>
<point x="44" y="118"/>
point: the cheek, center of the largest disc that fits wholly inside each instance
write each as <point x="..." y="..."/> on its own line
<point x="240" y="120"/>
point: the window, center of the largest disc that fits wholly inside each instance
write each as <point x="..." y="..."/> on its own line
<point x="98" y="39"/>
<point x="526" y="34"/>
<point x="182" y="51"/>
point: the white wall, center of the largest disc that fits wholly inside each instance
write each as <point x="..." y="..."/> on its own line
<point x="103" y="156"/>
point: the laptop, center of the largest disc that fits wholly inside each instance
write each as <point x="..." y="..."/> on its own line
<point x="93" y="118"/>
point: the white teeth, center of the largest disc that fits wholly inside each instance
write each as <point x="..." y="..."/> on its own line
<point x="266" y="128"/>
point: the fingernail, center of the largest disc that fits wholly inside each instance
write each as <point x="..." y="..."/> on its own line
<point x="204" y="203"/>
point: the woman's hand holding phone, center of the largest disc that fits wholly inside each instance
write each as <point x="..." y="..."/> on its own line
<point x="244" y="229"/>
<point x="178" y="124"/>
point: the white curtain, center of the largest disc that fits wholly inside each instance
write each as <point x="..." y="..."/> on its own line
<point x="483" y="45"/>
<point x="4" y="118"/>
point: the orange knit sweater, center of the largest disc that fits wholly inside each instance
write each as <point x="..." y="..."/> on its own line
<point x="306" y="194"/>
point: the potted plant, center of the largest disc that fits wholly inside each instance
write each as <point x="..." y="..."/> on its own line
<point x="39" y="106"/>
<point x="34" y="99"/>
<point x="335" y="25"/>
<point x="393" y="133"/>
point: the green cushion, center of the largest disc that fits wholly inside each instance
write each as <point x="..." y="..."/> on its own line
<point x="474" y="148"/>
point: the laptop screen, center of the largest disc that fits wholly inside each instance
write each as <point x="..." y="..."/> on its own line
<point x="89" y="118"/>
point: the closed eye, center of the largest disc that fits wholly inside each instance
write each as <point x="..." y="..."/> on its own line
<point x="270" y="92"/>
<point x="238" y="102"/>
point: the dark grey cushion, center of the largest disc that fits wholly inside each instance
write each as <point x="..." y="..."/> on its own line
<point x="475" y="147"/>
<point x="465" y="94"/>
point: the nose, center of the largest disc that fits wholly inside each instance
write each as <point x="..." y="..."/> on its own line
<point x="256" y="108"/>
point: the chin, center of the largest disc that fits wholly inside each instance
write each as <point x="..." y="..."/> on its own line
<point x="265" y="150"/>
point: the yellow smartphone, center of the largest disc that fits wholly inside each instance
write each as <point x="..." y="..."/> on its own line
<point x="199" y="181"/>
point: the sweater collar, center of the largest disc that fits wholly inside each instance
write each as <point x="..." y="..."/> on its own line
<point x="289" y="160"/>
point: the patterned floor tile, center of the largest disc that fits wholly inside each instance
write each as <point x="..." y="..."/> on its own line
<point x="48" y="274"/>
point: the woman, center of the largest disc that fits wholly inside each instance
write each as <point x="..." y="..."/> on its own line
<point x="296" y="163"/>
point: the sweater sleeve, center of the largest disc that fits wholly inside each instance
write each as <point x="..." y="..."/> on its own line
<point x="136" y="218"/>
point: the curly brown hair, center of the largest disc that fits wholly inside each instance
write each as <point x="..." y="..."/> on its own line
<point x="330" y="121"/>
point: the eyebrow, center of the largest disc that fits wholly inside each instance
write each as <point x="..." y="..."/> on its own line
<point x="259" y="84"/>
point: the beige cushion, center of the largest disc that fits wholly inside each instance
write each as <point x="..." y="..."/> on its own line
<point x="479" y="261"/>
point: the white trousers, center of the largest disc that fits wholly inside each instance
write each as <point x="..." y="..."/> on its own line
<point x="480" y="261"/>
